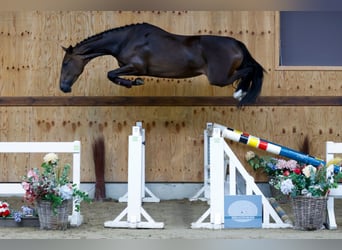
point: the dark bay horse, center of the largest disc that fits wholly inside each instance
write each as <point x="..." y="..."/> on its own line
<point x="146" y="50"/>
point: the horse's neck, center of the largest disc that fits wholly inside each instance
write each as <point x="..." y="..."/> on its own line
<point x="105" y="44"/>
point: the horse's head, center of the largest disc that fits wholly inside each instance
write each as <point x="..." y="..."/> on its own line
<point x="72" y="67"/>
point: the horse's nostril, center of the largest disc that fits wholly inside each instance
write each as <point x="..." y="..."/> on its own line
<point x="65" y="89"/>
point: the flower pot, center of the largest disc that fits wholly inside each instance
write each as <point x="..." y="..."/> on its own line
<point x="50" y="220"/>
<point x="309" y="212"/>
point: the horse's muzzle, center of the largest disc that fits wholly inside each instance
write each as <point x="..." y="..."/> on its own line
<point x="65" y="89"/>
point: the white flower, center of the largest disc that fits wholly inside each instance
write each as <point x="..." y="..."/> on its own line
<point x="249" y="155"/>
<point x="286" y="186"/>
<point x="308" y="170"/>
<point x="305" y="192"/>
<point x="66" y="192"/>
<point x="50" y="158"/>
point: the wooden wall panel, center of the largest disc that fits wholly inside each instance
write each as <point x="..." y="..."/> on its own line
<point x="174" y="136"/>
<point x="30" y="59"/>
<point x="14" y="126"/>
<point x="32" y="51"/>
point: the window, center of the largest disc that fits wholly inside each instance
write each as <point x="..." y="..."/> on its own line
<point x="310" y="38"/>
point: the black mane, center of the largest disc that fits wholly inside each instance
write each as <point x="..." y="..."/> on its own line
<point x="99" y="35"/>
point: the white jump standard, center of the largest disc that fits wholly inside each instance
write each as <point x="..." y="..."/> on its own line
<point x="218" y="152"/>
<point x="147" y="195"/>
<point x="136" y="188"/>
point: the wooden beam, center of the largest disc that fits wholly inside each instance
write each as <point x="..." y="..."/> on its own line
<point x="167" y="101"/>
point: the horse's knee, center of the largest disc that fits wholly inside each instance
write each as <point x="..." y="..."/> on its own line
<point x="119" y="81"/>
<point x="111" y="76"/>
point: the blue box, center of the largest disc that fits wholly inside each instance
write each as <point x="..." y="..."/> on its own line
<point x="242" y="211"/>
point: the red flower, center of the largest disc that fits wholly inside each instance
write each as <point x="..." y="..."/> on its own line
<point x="6" y="213"/>
<point x="286" y="173"/>
<point x="4" y="209"/>
<point x="297" y="171"/>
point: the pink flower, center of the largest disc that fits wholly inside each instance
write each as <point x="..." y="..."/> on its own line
<point x="291" y="164"/>
<point x="32" y="174"/>
<point x="286" y="173"/>
<point x="25" y="185"/>
<point x="283" y="164"/>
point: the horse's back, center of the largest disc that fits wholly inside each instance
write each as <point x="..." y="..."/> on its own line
<point x="220" y="44"/>
<point x="171" y="55"/>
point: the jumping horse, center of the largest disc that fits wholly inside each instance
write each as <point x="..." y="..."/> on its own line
<point x="146" y="50"/>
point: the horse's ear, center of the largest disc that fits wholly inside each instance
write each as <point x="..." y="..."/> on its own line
<point x="68" y="50"/>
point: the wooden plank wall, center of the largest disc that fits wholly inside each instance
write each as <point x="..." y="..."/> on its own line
<point x="30" y="60"/>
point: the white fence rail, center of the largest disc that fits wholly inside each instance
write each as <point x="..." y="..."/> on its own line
<point x="45" y="147"/>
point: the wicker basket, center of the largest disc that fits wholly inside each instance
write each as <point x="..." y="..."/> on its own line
<point x="50" y="220"/>
<point x="309" y="212"/>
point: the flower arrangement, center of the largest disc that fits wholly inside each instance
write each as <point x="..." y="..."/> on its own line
<point x="51" y="184"/>
<point x="270" y="165"/>
<point x="295" y="179"/>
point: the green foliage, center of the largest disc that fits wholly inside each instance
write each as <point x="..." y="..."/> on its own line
<point x="52" y="184"/>
<point x="293" y="178"/>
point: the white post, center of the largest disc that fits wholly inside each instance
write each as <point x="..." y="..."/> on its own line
<point x="217" y="177"/>
<point x="76" y="218"/>
<point x="136" y="187"/>
<point x="145" y="190"/>
<point x="134" y="176"/>
<point x="205" y="190"/>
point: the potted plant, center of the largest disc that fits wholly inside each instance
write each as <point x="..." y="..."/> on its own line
<point x="51" y="190"/>
<point x="308" y="187"/>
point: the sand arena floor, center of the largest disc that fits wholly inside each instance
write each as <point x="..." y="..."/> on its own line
<point x="177" y="216"/>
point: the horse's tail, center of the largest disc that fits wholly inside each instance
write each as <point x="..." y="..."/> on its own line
<point x="252" y="82"/>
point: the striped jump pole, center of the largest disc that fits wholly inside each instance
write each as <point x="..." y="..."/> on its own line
<point x="253" y="141"/>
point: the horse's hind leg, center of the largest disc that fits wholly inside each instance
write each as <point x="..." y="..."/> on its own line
<point x="218" y="79"/>
<point x="242" y="88"/>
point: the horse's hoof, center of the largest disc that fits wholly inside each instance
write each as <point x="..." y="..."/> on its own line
<point x="138" y="81"/>
<point x="239" y="95"/>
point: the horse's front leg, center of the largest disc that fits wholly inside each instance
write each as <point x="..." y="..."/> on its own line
<point x="118" y="80"/>
<point x="114" y="76"/>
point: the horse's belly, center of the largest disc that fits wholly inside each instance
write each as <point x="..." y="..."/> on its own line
<point x="175" y="73"/>
<point x="177" y="68"/>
